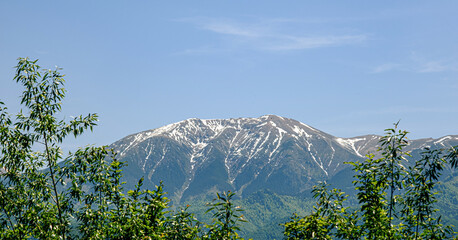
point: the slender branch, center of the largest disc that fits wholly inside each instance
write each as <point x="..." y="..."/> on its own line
<point x="54" y="184"/>
<point x="393" y="156"/>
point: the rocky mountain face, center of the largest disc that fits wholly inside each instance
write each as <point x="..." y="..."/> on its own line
<point x="196" y="156"/>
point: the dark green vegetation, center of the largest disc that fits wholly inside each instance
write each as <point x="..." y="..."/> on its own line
<point x="45" y="195"/>
<point x="264" y="212"/>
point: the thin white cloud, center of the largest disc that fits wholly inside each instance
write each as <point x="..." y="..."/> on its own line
<point x="231" y="29"/>
<point x="434" y="66"/>
<point x="386" y="67"/>
<point x="264" y="35"/>
<point x="424" y="65"/>
<point x="418" y="66"/>
<point x="298" y="43"/>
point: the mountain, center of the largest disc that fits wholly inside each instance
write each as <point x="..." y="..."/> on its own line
<point x="195" y="156"/>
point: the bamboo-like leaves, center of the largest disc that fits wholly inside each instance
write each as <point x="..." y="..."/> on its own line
<point x="226" y="217"/>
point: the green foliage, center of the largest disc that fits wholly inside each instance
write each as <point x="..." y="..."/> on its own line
<point x="226" y="217"/>
<point x="184" y="225"/>
<point x="420" y="197"/>
<point x="46" y="196"/>
<point x="264" y="211"/>
<point x="318" y="224"/>
<point x="447" y="200"/>
<point x="392" y="171"/>
<point x="30" y="197"/>
<point x="395" y="202"/>
<point x="329" y="215"/>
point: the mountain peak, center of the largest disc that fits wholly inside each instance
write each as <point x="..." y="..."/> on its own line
<point x="243" y="154"/>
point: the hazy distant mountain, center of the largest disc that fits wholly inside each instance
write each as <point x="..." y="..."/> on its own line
<point x="195" y="156"/>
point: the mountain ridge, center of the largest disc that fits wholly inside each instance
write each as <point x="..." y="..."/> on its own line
<point x="194" y="156"/>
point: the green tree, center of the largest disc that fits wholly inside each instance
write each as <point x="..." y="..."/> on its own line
<point x="383" y="186"/>
<point x="418" y="205"/>
<point x="392" y="145"/>
<point x="327" y="216"/>
<point x="30" y="197"/>
<point x="45" y="195"/>
<point x="42" y="194"/>
<point x="226" y="217"/>
<point x="183" y="225"/>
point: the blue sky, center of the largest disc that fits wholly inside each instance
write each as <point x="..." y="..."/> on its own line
<point x="345" y="67"/>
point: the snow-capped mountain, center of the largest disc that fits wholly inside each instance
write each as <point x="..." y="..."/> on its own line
<point x="195" y="156"/>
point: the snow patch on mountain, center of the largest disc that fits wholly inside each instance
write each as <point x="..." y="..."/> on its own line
<point x="349" y="143"/>
<point x="441" y="140"/>
<point x="254" y="152"/>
